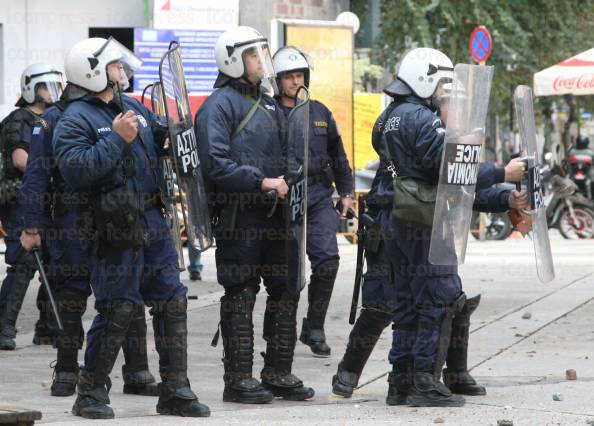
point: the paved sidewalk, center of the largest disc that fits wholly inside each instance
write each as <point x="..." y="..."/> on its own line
<point x="522" y="361"/>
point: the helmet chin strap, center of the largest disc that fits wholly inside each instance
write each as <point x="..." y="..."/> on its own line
<point x="117" y="90"/>
<point x="433" y="102"/>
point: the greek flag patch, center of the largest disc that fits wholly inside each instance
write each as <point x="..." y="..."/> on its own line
<point x="36" y="130"/>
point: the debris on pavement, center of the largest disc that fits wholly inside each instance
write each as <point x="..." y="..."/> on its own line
<point x="570" y="374"/>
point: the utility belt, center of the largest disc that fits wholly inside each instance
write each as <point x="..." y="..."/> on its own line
<point x="226" y="216"/>
<point x="118" y="217"/>
<point x="326" y="176"/>
<point x="62" y="202"/>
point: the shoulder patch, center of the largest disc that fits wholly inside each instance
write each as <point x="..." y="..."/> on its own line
<point x="43" y="123"/>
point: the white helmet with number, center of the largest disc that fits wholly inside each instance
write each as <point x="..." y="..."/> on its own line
<point x="419" y="72"/>
<point x="289" y="59"/>
<point x="230" y="48"/>
<point x="86" y="62"/>
<point x="40" y="74"/>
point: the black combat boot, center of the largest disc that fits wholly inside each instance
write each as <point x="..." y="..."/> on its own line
<point x="280" y="333"/>
<point x="93" y="398"/>
<point x="17" y="278"/>
<point x="138" y="380"/>
<point x="427" y="389"/>
<point x="72" y="306"/>
<point x="175" y="395"/>
<point x="319" y="294"/>
<point x="238" y="346"/>
<point x="93" y="386"/>
<point x="399" y="382"/>
<point x="362" y="340"/>
<point x="7" y="335"/>
<point x="456" y="375"/>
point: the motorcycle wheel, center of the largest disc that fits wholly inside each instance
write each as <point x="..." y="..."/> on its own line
<point x="498" y="227"/>
<point x="583" y="226"/>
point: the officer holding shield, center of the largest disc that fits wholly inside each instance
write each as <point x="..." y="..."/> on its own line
<point x="327" y="162"/>
<point x="378" y="290"/>
<point x="107" y="146"/>
<point x="243" y="154"/>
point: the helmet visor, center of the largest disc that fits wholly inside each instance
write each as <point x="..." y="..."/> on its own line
<point x="257" y="62"/>
<point x="113" y="51"/>
<point x="51" y="83"/>
<point x="54" y="90"/>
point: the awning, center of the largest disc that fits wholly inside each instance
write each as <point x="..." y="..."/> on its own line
<point x="572" y="76"/>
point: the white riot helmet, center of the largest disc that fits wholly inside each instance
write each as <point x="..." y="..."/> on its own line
<point x="86" y="63"/>
<point x="230" y="49"/>
<point x="37" y="74"/>
<point x="290" y="59"/>
<point x="419" y="73"/>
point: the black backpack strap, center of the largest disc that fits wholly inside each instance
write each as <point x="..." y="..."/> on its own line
<point x="386" y="114"/>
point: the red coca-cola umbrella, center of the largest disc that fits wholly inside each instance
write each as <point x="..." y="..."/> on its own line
<point x="572" y="76"/>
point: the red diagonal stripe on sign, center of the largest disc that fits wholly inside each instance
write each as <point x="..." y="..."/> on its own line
<point x="166" y="6"/>
<point x="574" y="62"/>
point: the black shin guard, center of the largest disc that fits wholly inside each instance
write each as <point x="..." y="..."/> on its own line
<point x="427" y="389"/>
<point x="93" y="386"/>
<point x="45" y="331"/>
<point x="175" y="395"/>
<point x="72" y="306"/>
<point x="138" y="379"/>
<point x="237" y="330"/>
<point x="20" y="275"/>
<point x="456" y="375"/>
<point x="280" y="333"/>
<point x="319" y="295"/>
<point x="363" y="338"/>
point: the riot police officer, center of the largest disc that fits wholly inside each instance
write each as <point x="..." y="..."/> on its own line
<point x="327" y="162"/>
<point x="427" y="296"/>
<point x="41" y="85"/>
<point x="107" y="146"/>
<point x="379" y="298"/>
<point x="240" y="139"/>
<point x="51" y="212"/>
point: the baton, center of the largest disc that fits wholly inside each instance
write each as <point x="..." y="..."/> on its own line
<point x="48" y="290"/>
<point x="360" y="259"/>
<point x="271" y="196"/>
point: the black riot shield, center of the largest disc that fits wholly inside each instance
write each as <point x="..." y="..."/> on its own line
<point x="167" y="181"/>
<point x="184" y="150"/>
<point x="529" y="152"/>
<point x="297" y="145"/>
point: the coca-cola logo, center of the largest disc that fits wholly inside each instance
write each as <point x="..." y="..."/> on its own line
<point x="584" y="81"/>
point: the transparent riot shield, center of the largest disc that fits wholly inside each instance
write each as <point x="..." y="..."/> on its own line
<point x="469" y="101"/>
<point x="297" y="143"/>
<point x="184" y="150"/>
<point x="529" y="151"/>
<point x="152" y="97"/>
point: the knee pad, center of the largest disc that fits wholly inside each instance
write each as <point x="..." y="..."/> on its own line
<point x="327" y="269"/>
<point x="119" y="316"/>
<point x="176" y="309"/>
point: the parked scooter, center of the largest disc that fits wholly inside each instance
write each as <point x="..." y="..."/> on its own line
<point x="579" y="164"/>
<point x="567" y="209"/>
